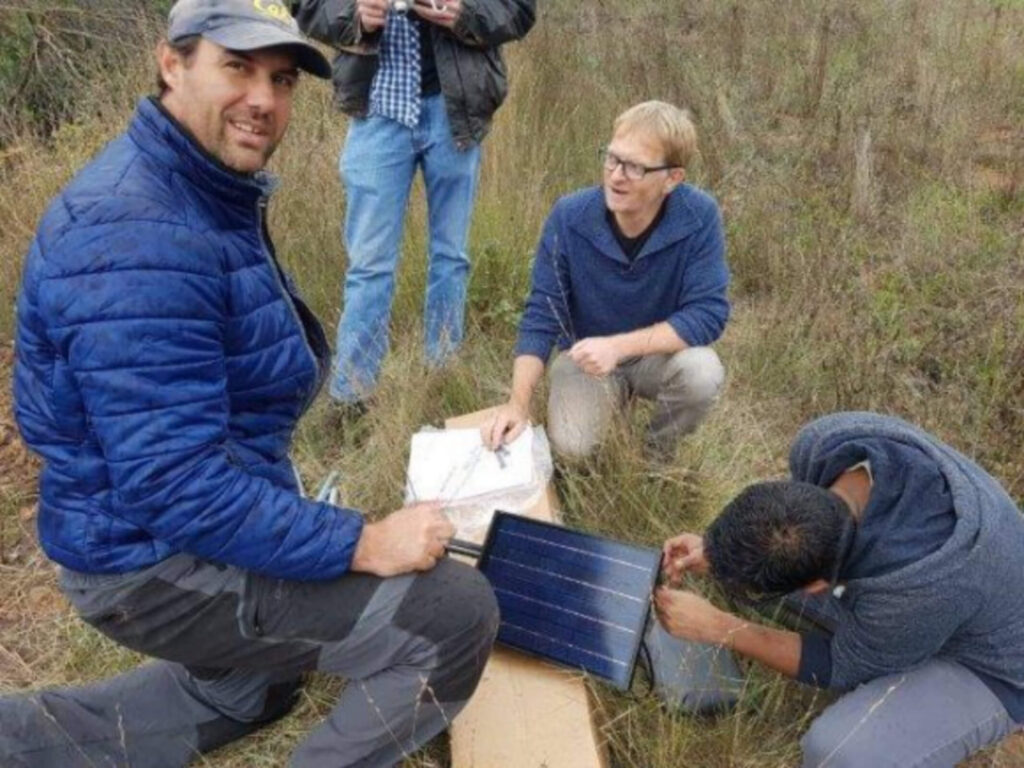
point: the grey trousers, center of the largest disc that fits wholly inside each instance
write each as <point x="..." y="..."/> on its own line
<point x="932" y="716"/>
<point x="233" y="646"/>
<point x="683" y="386"/>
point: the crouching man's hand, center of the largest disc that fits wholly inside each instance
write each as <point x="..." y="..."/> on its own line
<point x="507" y="423"/>
<point x="683" y="554"/>
<point x="597" y="355"/>
<point x="411" y="539"/>
<point x="689" y="616"/>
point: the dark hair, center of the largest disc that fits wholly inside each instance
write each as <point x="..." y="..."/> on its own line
<point x="776" y="537"/>
<point x="186" y="49"/>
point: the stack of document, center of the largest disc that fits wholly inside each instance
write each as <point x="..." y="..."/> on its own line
<point x="453" y="466"/>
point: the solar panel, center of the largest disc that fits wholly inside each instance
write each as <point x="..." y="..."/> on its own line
<point x="574" y="598"/>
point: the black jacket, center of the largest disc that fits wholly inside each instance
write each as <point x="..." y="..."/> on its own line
<point x="469" y="64"/>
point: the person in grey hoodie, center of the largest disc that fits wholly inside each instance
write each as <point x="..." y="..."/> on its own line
<point x="907" y="558"/>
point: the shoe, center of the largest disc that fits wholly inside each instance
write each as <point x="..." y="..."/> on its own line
<point x="352" y="411"/>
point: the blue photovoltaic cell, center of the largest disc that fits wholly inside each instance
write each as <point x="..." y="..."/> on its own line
<point x="574" y="598"/>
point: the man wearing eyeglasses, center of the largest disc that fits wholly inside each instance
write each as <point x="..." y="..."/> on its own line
<point x="907" y="556"/>
<point x="629" y="281"/>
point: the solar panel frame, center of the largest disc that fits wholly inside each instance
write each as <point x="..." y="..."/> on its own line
<point x="589" y="612"/>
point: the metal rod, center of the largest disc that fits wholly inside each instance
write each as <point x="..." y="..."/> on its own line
<point x="463" y="547"/>
<point x="325" y="486"/>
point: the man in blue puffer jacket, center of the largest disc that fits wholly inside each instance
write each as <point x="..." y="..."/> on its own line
<point x="163" y="359"/>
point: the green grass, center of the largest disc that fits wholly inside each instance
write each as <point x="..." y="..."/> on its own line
<point x="914" y="311"/>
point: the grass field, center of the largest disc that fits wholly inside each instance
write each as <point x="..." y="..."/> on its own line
<point x="869" y="160"/>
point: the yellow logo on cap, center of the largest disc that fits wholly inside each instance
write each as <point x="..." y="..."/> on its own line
<point x="273" y="9"/>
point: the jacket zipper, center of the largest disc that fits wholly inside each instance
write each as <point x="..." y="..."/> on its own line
<point x="267" y="247"/>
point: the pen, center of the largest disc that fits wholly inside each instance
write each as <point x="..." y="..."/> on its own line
<point x="501" y="454"/>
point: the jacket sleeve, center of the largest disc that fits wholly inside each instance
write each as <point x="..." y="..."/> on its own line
<point x="702" y="309"/>
<point x="546" y="316"/>
<point x="882" y="638"/>
<point x="332" y="22"/>
<point x="138" y="315"/>
<point x="490" y="23"/>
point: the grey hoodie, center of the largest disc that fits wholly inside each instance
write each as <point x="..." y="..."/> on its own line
<point x="963" y="600"/>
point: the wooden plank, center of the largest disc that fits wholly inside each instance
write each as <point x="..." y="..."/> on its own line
<point x="525" y="713"/>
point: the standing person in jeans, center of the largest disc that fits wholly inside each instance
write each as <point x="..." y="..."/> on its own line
<point x="908" y="556"/>
<point x="629" y="281"/>
<point x="421" y="86"/>
<point x="163" y="359"/>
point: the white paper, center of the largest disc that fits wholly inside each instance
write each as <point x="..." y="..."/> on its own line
<point x="453" y="464"/>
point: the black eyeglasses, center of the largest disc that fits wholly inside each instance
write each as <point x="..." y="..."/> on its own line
<point x="631" y="170"/>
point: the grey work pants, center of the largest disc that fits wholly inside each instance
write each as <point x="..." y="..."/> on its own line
<point x="233" y="646"/>
<point x="683" y="386"/>
<point x="932" y="716"/>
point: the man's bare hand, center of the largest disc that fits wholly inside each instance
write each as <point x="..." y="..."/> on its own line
<point x="596" y="356"/>
<point x="689" y="616"/>
<point x="444" y="13"/>
<point x="507" y="423"/>
<point x="683" y="554"/>
<point x="372" y="14"/>
<point x="411" y="539"/>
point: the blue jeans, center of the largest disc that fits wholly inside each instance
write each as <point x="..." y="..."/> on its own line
<point x="378" y="164"/>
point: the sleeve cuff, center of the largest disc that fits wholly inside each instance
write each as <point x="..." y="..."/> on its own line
<point x="815" y="660"/>
<point x="683" y="330"/>
<point x="538" y="346"/>
<point x="336" y="559"/>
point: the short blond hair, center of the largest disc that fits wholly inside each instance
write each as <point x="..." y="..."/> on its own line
<point x="667" y="123"/>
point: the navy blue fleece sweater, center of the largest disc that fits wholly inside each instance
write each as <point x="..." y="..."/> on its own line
<point x="584" y="285"/>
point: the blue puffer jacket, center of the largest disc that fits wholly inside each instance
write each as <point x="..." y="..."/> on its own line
<point x="161" y="367"/>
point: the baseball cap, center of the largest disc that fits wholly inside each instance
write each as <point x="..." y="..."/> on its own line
<point x="245" y="25"/>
